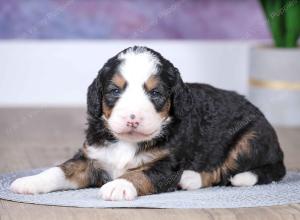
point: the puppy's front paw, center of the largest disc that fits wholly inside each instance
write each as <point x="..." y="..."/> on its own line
<point x="27" y="185"/>
<point x="190" y="180"/>
<point x="119" y="189"/>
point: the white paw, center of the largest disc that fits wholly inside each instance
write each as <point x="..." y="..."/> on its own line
<point x="119" y="189"/>
<point x="244" y="179"/>
<point x="49" y="180"/>
<point x="190" y="180"/>
<point x="28" y="185"/>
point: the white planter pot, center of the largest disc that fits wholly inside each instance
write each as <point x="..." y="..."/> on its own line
<point x="275" y="84"/>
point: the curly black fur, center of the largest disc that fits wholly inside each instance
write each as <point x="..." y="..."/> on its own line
<point x="207" y="123"/>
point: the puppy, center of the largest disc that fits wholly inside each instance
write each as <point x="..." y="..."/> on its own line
<point x="148" y="132"/>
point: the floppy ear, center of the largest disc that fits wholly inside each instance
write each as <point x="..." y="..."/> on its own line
<point x="182" y="97"/>
<point x="95" y="90"/>
<point x="94" y="99"/>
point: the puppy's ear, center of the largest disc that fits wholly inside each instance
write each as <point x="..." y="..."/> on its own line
<point x="182" y="97"/>
<point x="95" y="90"/>
<point x="94" y="99"/>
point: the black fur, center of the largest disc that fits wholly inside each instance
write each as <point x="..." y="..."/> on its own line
<point x="206" y="124"/>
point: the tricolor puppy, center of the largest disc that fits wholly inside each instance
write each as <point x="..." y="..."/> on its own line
<point x="148" y="132"/>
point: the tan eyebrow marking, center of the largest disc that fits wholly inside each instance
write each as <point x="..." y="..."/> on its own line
<point x="151" y="83"/>
<point x="119" y="80"/>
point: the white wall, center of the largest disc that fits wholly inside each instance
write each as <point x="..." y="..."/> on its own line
<point x="58" y="72"/>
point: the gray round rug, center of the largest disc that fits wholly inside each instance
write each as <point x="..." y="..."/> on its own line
<point x="284" y="192"/>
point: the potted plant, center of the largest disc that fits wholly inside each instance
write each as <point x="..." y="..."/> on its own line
<point x="275" y="69"/>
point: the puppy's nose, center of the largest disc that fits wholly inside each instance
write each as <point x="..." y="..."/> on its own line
<point x="132" y="116"/>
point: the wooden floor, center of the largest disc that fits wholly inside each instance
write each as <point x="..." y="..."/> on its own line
<point x="32" y="138"/>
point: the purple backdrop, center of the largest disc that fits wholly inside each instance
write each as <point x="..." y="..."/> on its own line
<point x="127" y="19"/>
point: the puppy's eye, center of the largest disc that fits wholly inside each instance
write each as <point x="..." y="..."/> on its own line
<point x="115" y="92"/>
<point x="154" y="94"/>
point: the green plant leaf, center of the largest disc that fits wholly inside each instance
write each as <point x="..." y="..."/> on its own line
<point x="275" y="20"/>
<point x="292" y="23"/>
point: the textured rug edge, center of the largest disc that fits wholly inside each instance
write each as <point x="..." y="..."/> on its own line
<point x="125" y="205"/>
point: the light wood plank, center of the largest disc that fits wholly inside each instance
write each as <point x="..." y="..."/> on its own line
<point x="32" y="138"/>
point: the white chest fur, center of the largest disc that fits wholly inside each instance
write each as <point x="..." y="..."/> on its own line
<point x="117" y="158"/>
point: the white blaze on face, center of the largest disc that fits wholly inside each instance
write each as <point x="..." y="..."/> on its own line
<point x="136" y="68"/>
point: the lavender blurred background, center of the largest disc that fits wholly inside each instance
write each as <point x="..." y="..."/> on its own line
<point x="132" y="19"/>
<point x="61" y="44"/>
